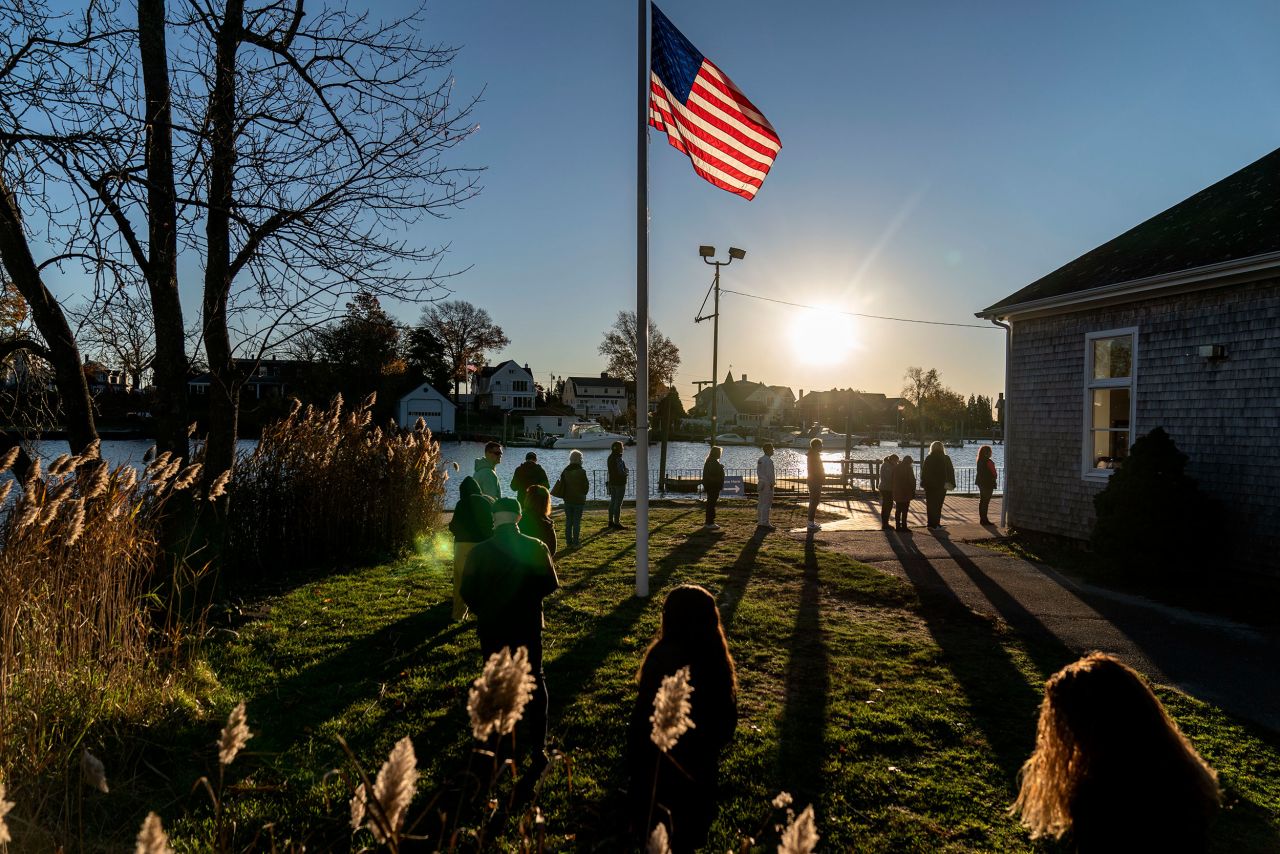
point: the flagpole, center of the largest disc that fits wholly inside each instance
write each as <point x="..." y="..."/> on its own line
<point x="642" y="304"/>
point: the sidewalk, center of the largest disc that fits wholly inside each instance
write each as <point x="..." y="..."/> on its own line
<point x="959" y="515"/>
<point x="1231" y="664"/>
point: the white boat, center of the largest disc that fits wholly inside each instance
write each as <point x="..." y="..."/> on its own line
<point x="831" y="440"/>
<point x="588" y="435"/>
<point x="733" y="439"/>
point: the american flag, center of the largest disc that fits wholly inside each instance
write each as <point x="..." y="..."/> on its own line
<point x="707" y="117"/>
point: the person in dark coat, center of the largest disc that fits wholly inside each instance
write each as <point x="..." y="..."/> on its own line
<point x="816" y="475"/>
<point x="936" y="476"/>
<point x="986" y="482"/>
<point x="617" y="484"/>
<point x="683" y="797"/>
<point x="535" y="521"/>
<point x="526" y="475"/>
<point x="886" y="489"/>
<point x="472" y="523"/>
<point x="503" y="583"/>
<point x="1111" y="771"/>
<point x="712" y="483"/>
<point x="904" y="489"/>
<point x="572" y="488"/>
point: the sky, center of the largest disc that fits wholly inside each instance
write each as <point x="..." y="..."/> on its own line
<point x="936" y="157"/>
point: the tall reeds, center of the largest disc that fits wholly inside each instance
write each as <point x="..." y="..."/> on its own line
<point x="326" y="487"/>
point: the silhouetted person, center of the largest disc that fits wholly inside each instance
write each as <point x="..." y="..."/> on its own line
<point x="816" y="475"/>
<point x="712" y="483"/>
<point x="573" y="489"/>
<point x="985" y="479"/>
<point x="886" y="489"/>
<point x="684" y="797"/>
<point x="527" y="474"/>
<point x="765" y="480"/>
<point x="937" y="475"/>
<point x="1111" y="771"/>
<point x="472" y="523"/>
<point x="535" y="521"/>
<point x="617" y="483"/>
<point x="904" y="490"/>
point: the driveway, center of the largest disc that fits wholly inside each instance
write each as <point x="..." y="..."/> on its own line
<point x="1230" y="664"/>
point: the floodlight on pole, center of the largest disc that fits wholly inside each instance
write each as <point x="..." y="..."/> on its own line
<point x="708" y="252"/>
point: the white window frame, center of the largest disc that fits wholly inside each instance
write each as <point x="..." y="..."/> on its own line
<point x="1091" y="385"/>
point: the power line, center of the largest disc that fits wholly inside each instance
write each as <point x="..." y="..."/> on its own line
<point x="859" y="314"/>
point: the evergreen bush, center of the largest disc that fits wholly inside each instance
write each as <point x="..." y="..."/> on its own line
<point x="1152" y="518"/>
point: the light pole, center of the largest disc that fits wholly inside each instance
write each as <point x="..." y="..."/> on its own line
<point x="708" y="252"/>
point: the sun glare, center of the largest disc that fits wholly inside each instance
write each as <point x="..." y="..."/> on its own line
<point x="822" y="337"/>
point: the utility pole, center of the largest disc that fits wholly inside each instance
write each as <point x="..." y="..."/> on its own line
<point x="708" y="252"/>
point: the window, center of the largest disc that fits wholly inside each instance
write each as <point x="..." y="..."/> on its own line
<point x="519" y="385"/>
<point x="1109" y="399"/>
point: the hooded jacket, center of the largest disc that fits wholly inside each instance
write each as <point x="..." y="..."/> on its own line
<point x="487" y="478"/>
<point x="472" y="520"/>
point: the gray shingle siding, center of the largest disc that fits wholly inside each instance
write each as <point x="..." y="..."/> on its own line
<point x="1225" y="415"/>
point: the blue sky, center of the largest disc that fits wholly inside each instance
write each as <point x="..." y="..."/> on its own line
<point x="936" y="157"/>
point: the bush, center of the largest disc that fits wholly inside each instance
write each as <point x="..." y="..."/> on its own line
<point x="1151" y="517"/>
<point x="325" y="488"/>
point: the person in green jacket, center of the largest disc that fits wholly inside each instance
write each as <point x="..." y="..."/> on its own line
<point x="486" y="470"/>
<point x="572" y="488"/>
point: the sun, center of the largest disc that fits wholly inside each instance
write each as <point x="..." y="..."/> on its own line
<point x="822" y="337"/>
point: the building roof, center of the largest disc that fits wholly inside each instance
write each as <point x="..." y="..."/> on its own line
<point x="1235" y="219"/>
<point x="601" y="381"/>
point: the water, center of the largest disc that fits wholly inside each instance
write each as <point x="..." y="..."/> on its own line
<point x="683" y="459"/>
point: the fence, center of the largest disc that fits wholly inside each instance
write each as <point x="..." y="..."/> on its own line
<point x="788" y="481"/>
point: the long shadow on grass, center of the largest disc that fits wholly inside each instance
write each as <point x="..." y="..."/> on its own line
<point x="802" y="747"/>
<point x="739" y="576"/>
<point x="609" y="562"/>
<point x="1002" y="701"/>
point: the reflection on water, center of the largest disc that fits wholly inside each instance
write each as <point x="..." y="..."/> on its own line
<point x="683" y="458"/>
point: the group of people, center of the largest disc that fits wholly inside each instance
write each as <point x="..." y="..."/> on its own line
<point x="937" y="476"/>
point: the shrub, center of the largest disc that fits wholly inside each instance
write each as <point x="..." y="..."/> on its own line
<point x="1151" y="517"/>
<point x="324" y="488"/>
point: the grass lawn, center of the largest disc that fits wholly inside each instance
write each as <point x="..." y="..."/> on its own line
<point x="903" y="721"/>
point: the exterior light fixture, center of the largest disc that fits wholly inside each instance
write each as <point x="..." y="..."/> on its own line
<point x="738" y="254"/>
<point x="707" y="251"/>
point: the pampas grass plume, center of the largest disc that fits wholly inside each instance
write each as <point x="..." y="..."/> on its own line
<point x="5" y="806"/>
<point x="671" y="708"/>
<point x="5" y="489"/>
<point x="497" y="699"/>
<point x="659" y="842"/>
<point x="393" y="789"/>
<point x="76" y="526"/>
<point x="234" y="735"/>
<point x="188" y="476"/>
<point x="801" y="835"/>
<point x="357" y="806"/>
<point x="151" y="838"/>
<point x="782" y="801"/>
<point x="10" y="457"/>
<point x="219" y="486"/>
<point x="92" y="772"/>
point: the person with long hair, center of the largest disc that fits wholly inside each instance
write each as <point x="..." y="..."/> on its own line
<point x="535" y="521"/>
<point x="816" y="474"/>
<point x="986" y="482"/>
<point x="712" y="483"/>
<point x="886" y="490"/>
<point x="678" y="788"/>
<point x="1111" y="771"/>
<point x="937" y="475"/>
<point x="904" y="490"/>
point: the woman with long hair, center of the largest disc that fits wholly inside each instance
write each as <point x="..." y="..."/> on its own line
<point x="678" y="787"/>
<point x="986" y="482"/>
<point x="816" y="475"/>
<point x="535" y="521"/>
<point x="937" y="475"/>
<point x="904" y="489"/>
<point x="1111" y="770"/>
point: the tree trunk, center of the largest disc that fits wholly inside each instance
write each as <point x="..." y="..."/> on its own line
<point x="224" y="391"/>
<point x="170" y="365"/>
<point x="63" y="354"/>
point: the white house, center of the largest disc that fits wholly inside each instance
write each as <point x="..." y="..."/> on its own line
<point x="596" y="397"/>
<point x="743" y="403"/>
<point x="430" y="405"/>
<point x="506" y="386"/>
<point x="546" y="422"/>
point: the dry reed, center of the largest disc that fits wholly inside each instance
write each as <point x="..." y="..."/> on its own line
<point x="324" y="488"/>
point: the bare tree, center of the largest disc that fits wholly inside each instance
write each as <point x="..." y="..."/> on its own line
<point x="619" y="346"/>
<point x="120" y="331"/>
<point x="466" y="333"/>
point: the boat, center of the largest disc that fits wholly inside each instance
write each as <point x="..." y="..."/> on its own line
<point x="733" y="440"/>
<point x="587" y="435"/>
<point x="831" y="440"/>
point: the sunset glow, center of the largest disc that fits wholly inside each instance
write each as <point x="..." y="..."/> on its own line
<point x="822" y="337"/>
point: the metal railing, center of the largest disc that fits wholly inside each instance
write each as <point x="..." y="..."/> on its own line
<point x="787" y="481"/>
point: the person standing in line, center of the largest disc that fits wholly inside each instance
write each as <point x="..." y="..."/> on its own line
<point x="572" y="488"/>
<point x="986" y="480"/>
<point x="712" y="483"/>
<point x="936" y="476"/>
<point x="486" y="470"/>
<point x="886" y="490"/>
<point x="816" y="474"/>
<point x="678" y="788"/>
<point x="472" y="523"/>
<point x="765" y="479"/>
<point x="617" y="484"/>
<point x="503" y="583"/>
<point x="535" y="520"/>
<point x="527" y="474"/>
<point x="904" y="489"/>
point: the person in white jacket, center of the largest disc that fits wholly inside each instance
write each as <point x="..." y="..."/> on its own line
<point x="764" y="482"/>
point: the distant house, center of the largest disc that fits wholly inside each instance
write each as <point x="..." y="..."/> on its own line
<point x="1173" y="324"/>
<point x="861" y="410"/>
<point x="747" y="404"/>
<point x="264" y="379"/>
<point x="104" y="380"/>
<point x="430" y="405"/>
<point x="549" y="421"/>
<point x="596" y="397"/>
<point x="506" y="387"/>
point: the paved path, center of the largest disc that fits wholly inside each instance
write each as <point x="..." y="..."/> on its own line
<point x="1233" y="665"/>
